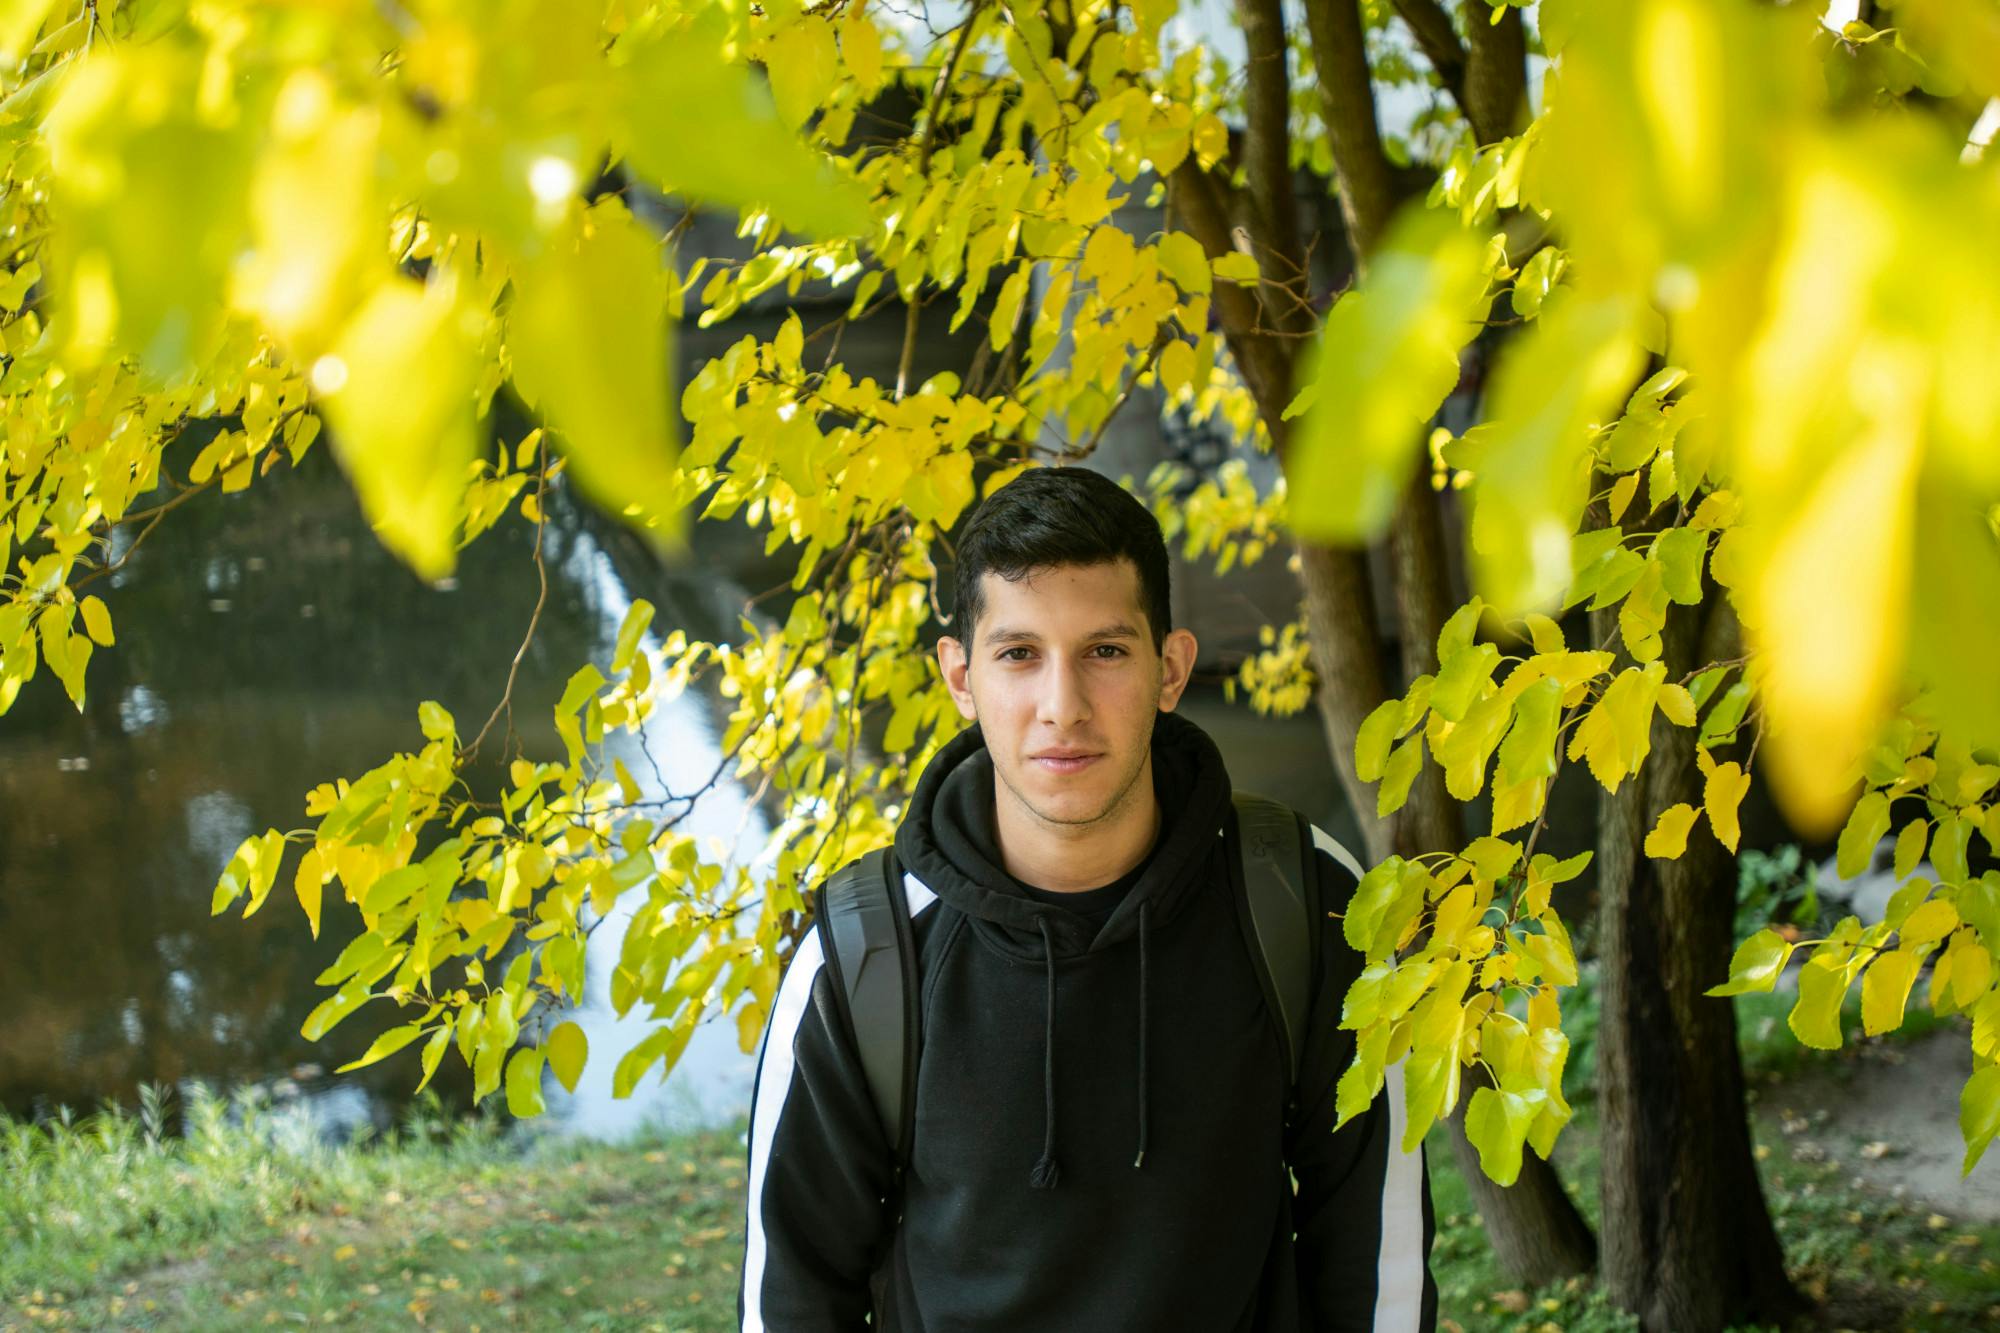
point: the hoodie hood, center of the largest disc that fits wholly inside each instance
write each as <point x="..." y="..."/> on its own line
<point x="948" y="839"/>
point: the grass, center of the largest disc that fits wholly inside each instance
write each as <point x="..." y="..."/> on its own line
<point x="105" y="1226"/>
<point x="242" y="1221"/>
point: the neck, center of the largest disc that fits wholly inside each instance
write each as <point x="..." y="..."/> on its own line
<point x="1069" y="858"/>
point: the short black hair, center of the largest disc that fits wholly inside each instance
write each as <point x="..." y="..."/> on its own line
<point x="1052" y="516"/>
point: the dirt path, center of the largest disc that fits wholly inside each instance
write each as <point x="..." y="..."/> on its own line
<point x="1888" y="1110"/>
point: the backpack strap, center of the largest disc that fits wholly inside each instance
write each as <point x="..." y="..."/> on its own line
<point x="864" y="921"/>
<point x="1278" y="909"/>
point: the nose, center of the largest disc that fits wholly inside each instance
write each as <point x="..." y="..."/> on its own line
<point x="1064" y="703"/>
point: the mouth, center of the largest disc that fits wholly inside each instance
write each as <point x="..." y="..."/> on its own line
<point x="1065" y="761"/>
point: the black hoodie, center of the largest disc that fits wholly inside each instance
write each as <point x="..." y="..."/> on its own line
<point x="1101" y="1132"/>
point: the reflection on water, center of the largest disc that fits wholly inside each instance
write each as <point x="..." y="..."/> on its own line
<point x="267" y="643"/>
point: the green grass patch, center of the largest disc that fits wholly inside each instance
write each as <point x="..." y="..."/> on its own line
<point x="444" y="1226"/>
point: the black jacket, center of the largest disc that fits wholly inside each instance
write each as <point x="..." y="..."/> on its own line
<point x="1101" y="1139"/>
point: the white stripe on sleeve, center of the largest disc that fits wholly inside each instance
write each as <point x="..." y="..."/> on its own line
<point x="1326" y="843"/>
<point x="774" y="1085"/>
<point x="1399" y="1268"/>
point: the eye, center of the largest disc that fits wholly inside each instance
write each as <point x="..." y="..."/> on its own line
<point x="1007" y="655"/>
<point x="1111" y="649"/>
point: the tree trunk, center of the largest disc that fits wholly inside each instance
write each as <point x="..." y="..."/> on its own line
<point x="1688" y="1243"/>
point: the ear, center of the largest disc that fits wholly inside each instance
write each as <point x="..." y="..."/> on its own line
<point x="1176" y="667"/>
<point x="957" y="676"/>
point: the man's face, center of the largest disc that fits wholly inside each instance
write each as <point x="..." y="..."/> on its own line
<point x="1064" y="681"/>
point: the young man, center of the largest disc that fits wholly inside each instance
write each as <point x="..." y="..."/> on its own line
<point x="1101" y="1135"/>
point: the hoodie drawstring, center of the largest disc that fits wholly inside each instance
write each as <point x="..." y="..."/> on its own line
<point x="1139" y="1161"/>
<point x="1045" y="1174"/>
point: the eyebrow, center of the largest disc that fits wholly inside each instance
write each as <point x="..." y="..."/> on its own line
<point x="1116" y="630"/>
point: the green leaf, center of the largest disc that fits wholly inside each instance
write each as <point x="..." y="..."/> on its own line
<point x="1979" y="1114"/>
<point x="1552" y="951"/>
<point x="744" y="156"/>
<point x="630" y="631"/>
<point x="328" y="1013"/>
<point x="1865" y="827"/>
<point x="1680" y="552"/>
<point x="1815" y="1018"/>
<point x="1182" y="259"/>
<point x="1757" y="964"/>
<point x="1948" y="849"/>
<point x="588" y="337"/>
<point x="1372" y="741"/>
<point x="569" y="1047"/>
<point x="1910" y="844"/>
<point x="1497" y="1124"/>
<point x="1537" y="278"/>
<point x="434" y="1050"/>
<point x="524" y="1084"/>
<point x="1492" y="857"/>
<point x="150" y="201"/>
<point x="395" y="1039"/>
<point x="1372" y="896"/>
<point x="435" y="721"/>
<point x="1552" y="384"/>
<point x="1456" y="634"/>
<point x="1461" y="678"/>
<point x="1529" y="751"/>
<point x="1388" y="355"/>
<point x="1397" y="775"/>
<point x="392" y="889"/>
<point x="1727" y="713"/>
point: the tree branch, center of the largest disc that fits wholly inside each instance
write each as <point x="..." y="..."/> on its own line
<point x="1495" y="99"/>
<point x="1431" y="25"/>
<point x="1267" y="164"/>
<point x="1368" y="192"/>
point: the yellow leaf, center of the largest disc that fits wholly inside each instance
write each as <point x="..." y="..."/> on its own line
<point x="1669" y="837"/>
<point x="524" y="1083"/>
<point x="1182" y="259"/>
<point x="398" y="388"/>
<point x="1621" y="494"/>
<point x="316" y="216"/>
<point x="1885" y="989"/>
<point x="1722" y="792"/>
<point x="749" y="1026"/>
<point x="569" y="1047"/>
<point x="1546" y="635"/>
<point x="588" y="336"/>
<point x="97" y="620"/>
<point x="307" y="883"/>
<point x="1235" y="267"/>
<point x="1932" y="920"/>
<point x="861" y="48"/>
<point x="19" y="21"/>
<point x="1007" y="308"/>
<point x="1677" y="704"/>
<point x="800" y="61"/>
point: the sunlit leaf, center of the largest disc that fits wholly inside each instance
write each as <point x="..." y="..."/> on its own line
<point x="588" y="336"/>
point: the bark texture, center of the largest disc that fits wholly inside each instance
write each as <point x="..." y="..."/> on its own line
<point x="1688" y="1243"/>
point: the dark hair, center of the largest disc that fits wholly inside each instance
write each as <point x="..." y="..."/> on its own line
<point x="1050" y="516"/>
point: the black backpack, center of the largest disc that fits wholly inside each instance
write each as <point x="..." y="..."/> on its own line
<point x="864" y="922"/>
